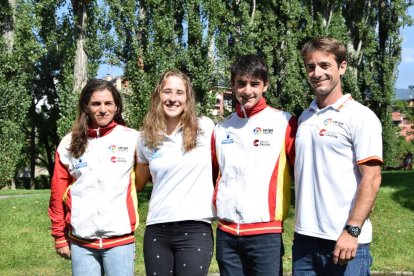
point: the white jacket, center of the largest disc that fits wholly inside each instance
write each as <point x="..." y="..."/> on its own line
<point x="98" y="188"/>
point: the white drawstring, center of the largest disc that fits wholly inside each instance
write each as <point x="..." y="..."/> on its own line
<point x="244" y="111"/>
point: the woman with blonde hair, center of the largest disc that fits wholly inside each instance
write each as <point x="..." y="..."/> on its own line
<point x="174" y="151"/>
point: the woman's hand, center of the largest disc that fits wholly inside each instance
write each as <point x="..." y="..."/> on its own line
<point x="64" y="252"/>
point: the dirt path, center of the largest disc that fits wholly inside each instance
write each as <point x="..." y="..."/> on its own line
<point x="11" y="196"/>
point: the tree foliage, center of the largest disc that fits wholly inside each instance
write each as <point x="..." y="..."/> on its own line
<point x="38" y="84"/>
<point x="49" y="49"/>
<point x="16" y="72"/>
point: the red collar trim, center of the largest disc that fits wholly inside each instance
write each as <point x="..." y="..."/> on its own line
<point x="253" y="111"/>
<point x="101" y="131"/>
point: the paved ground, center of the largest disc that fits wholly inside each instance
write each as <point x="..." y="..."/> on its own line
<point x="8" y="196"/>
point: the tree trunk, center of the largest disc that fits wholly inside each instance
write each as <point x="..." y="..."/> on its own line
<point x="8" y="34"/>
<point x="81" y="59"/>
<point x="13" y="185"/>
<point x="32" y="137"/>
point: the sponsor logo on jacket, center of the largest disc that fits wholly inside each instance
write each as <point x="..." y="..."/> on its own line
<point x="261" y="143"/>
<point x="117" y="159"/>
<point x="80" y="164"/>
<point x="115" y="148"/>
<point x="227" y="140"/>
<point x="264" y="131"/>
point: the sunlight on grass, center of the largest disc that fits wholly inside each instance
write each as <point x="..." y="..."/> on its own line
<point x="27" y="247"/>
<point x="393" y="223"/>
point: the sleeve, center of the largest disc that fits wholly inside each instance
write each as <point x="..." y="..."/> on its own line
<point x="57" y="209"/>
<point x="214" y="161"/>
<point x="290" y="139"/>
<point x="207" y="125"/>
<point x="141" y="158"/>
<point x="367" y="137"/>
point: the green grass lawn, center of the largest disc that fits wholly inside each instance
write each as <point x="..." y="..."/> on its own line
<point x="26" y="247"/>
<point x="393" y="222"/>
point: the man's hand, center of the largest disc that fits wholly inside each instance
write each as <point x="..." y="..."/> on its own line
<point x="345" y="248"/>
<point x="64" y="252"/>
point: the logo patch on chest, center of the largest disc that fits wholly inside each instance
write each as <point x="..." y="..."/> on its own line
<point x="261" y="143"/>
<point x="330" y="122"/>
<point x="156" y="154"/>
<point x="80" y="164"/>
<point x="327" y="133"/>
<point x="114" y="148"/>
<point x="115" y="159"/>
<point x="265" y="131"/>
<point x="227" y="140"/>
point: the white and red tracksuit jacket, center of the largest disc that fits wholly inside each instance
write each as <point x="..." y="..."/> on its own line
<point x="93" y="199"/>
<point x="253" y="157"/>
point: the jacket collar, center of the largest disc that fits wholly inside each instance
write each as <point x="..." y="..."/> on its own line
<point x="252" y="111"/>
<point x="101" y="131"/>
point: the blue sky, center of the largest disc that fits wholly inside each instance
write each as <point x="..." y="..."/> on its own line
<point x="405" y="69"/>
<point x="105" y="69"/>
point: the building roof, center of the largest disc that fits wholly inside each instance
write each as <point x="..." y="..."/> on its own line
<point x="397" y="116"/>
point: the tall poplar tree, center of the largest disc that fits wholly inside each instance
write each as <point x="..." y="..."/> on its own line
<point x="149" y="37"/>
<point x="47" y="57"/>
<point x="44" y="108"/>
<point x="379" y="92"/>
<point x="82" y="51"/>
<point x="371" y="31"/>
<point x="18" y="51"/>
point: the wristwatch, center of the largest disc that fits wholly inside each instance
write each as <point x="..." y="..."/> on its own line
<point x="353" y="230"/>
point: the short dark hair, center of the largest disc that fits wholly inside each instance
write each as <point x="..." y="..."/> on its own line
<point x="250" y="65"/>
<point x="325" y="44"/>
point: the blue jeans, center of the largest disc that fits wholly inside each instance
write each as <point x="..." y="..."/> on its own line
<point x="178" y="248"/>
<point x="259" y="255"/>
<point x="313" y="256"/>
<point x="116" y="261"/>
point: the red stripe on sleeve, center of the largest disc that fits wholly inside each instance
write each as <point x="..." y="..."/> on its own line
<point x="290" y="139"/>
<point x="57" y="210"/>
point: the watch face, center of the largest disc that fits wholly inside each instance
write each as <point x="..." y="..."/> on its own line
<point x="353" y="230"/>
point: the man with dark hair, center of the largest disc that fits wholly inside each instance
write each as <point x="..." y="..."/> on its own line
<point x="253" y="154"/>
<point x="337" y="170"/>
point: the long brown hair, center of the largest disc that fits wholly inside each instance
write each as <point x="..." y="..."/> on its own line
<point x="79" y="140"/>
<point x="155" y="124"/>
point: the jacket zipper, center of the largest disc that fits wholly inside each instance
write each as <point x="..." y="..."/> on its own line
<point x="100" y="243"/>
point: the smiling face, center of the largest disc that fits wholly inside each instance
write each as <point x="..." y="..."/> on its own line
<point x="324" y="75"/>
<point x="173" y="97"/>
<point x="248" y="90"/>
<point x="101" y="108"/>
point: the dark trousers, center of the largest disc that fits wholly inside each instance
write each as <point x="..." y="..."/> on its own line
<point x="178" y="248"/>
<point x="259" y="255"/>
